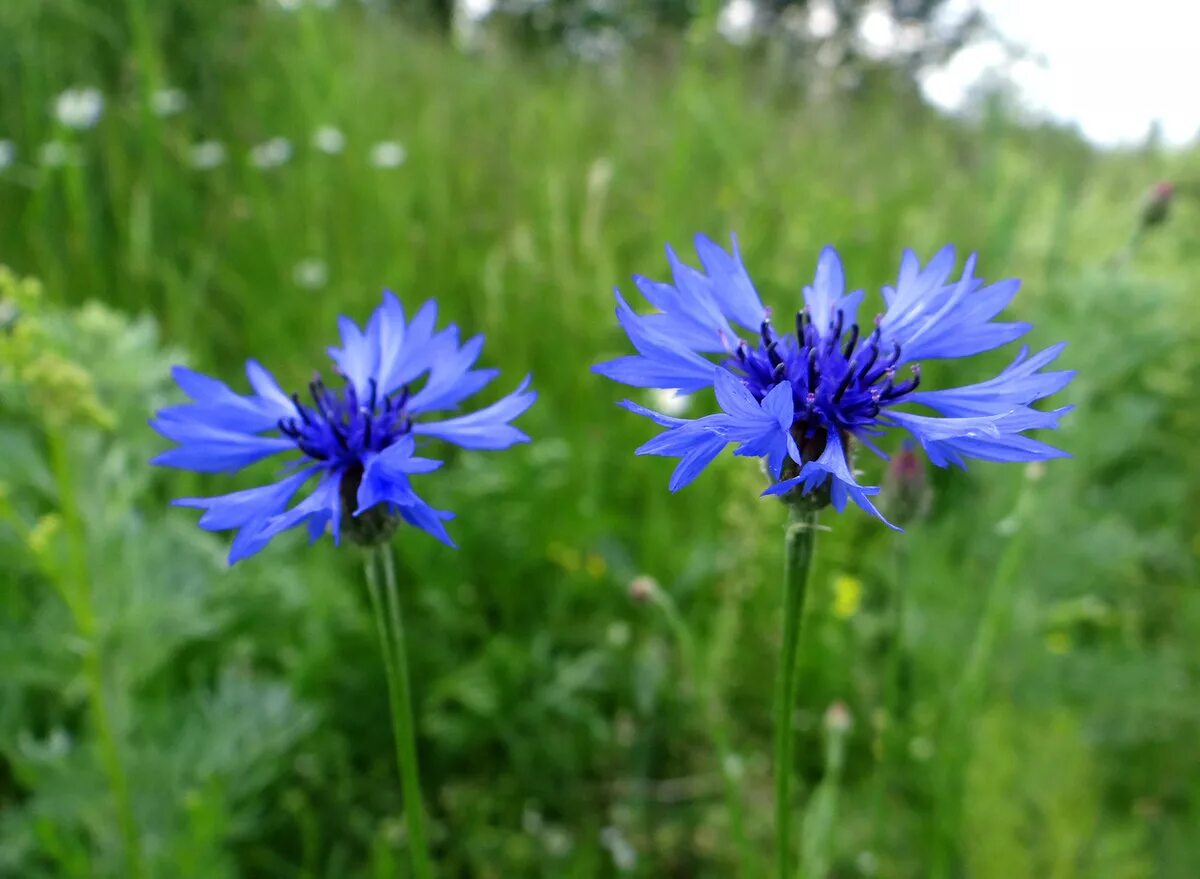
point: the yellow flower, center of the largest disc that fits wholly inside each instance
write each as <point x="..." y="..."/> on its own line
<point x="595" y="565"/>
<point x="43" y="537"/>
<point x="566" y="557"/>
<point x="847" y="596"/>
<point x="1058" y="642"/>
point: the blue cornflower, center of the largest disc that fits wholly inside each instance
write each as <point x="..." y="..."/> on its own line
<point x="358" y="443"/>
<point x="798" y="399"/>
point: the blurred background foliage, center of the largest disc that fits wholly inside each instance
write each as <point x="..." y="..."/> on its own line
<point x="1014" y="680"/>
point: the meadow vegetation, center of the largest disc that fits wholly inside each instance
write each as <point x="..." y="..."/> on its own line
<point x="1014" y="678"/>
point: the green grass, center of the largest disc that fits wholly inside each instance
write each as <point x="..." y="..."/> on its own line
<point x="1049" y="721"/>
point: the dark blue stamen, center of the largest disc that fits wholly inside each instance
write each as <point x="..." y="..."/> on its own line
<point x="344" y="426"/>
<point x="849" y="349"/>
<point x="856" y="371"/>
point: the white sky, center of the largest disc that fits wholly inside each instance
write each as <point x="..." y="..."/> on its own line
<point x="1112" y="67"/>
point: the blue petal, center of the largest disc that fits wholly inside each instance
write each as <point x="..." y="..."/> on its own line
<point x="731" y="284"/>
<point x="773" y="439"/>
<point x="658" y="418"/>
<point x="385" y="475"/>
<point x="421" y="515"/>
<point x="930" y="319"/>
<point x="1020" y="384"/>
<point x="246" y="510"/>
<point x="407" y="351"/>
<point x="694" y="323"/>
<point x="358" y="358"/>
<point x="488" y="428"/>
<point x="832" y="464"/>
<point x="988" y="438"/>
<point x="217" y="405"/>
<point x="450" y="378"/>
<point x="827" y="294"/>
<point x="735" y="400"/>
<point x="668" y="360"/>
<point x="642" y="372"/>
<point x="208" y="449"/>
<point x="268" y="390"/>
<point x="693" y="462"/>
<point x="322" y="507"/>
<point x="390" y="332"/>
<point x="915" y="283"/>
<point x="238" y="508"/>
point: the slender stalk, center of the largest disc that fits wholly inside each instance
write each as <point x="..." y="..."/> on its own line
<point x="719" y="727"/>
<point x="896" y="675"/>
<point x="76" y="591"/>
<point x="385" y="603"/>
<point x="969" y="695"/>
<point x="897" y="648"/>
<point x="801" y="534"/>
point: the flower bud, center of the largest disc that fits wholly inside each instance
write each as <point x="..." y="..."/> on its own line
<point x="642" y="588"/>
<point x="906" y="487"/>
<point x="1156" y="206"/>
<point x="837" y="719"/>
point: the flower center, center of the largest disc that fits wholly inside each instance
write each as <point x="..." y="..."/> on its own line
<point x="839" y="380"/>
<point x="340" y="428"/>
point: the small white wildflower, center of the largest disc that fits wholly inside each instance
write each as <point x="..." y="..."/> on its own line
<point x="867" y="863"/>
<point x="736" y="21"/>
<point x="558" y="842"/>
<point x="921" y="749"/>
<point x="1008" y="526"/>
<point x="329" y="140"/>
<point x="822" y="19"/>
<point x="734" y="766"/>
<point x="79" y="107"/>
<point x="8" y="153"/>
<point x="388" y="154"/>
<point x="597" y="46"/>
<point x="623" y="853"/>
<point x="271" y="153"/>
<point x="311" y="273"/>
<point x="206" y="155"/>
<point x="532" y="820"/>
<point x="288" y="5"/>
<point x="669" y="401"/>
<point x="475" y="9"/>
<point x="618" y="634"/>
<point x="168" y="102"/>
<point x="599" y="175"/>
<point x="54" y="154"/>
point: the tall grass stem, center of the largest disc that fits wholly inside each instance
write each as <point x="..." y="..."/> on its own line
<point x="801" y="535"/>
<point x="718" y="724"/>
<point x="76" y="591"/>
<point x="385" y="603"/>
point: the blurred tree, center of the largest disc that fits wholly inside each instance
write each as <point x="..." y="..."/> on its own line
<point x="899" y="31"/>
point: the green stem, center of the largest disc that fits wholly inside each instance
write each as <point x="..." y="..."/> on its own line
<point x="718" y="725"/>
<point x="76" y="591"/>
<point x="897" y="651"/>
<point x="390" y="626"/>
<point x="969" y="695"/>
<point x="801" y="534"/>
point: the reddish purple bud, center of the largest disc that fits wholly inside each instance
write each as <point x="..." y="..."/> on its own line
<point x="906" y="486"/>
<point x="1157" y="204"/>
<point x="642" y="588"/>
<point x="837" y="718"/>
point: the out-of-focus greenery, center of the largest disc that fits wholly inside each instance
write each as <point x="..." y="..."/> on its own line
<point x="226" y="722"/>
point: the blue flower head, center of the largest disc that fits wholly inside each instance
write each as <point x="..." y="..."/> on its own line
<point x="799" y="397"/>
<point x="358" y="442"/>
